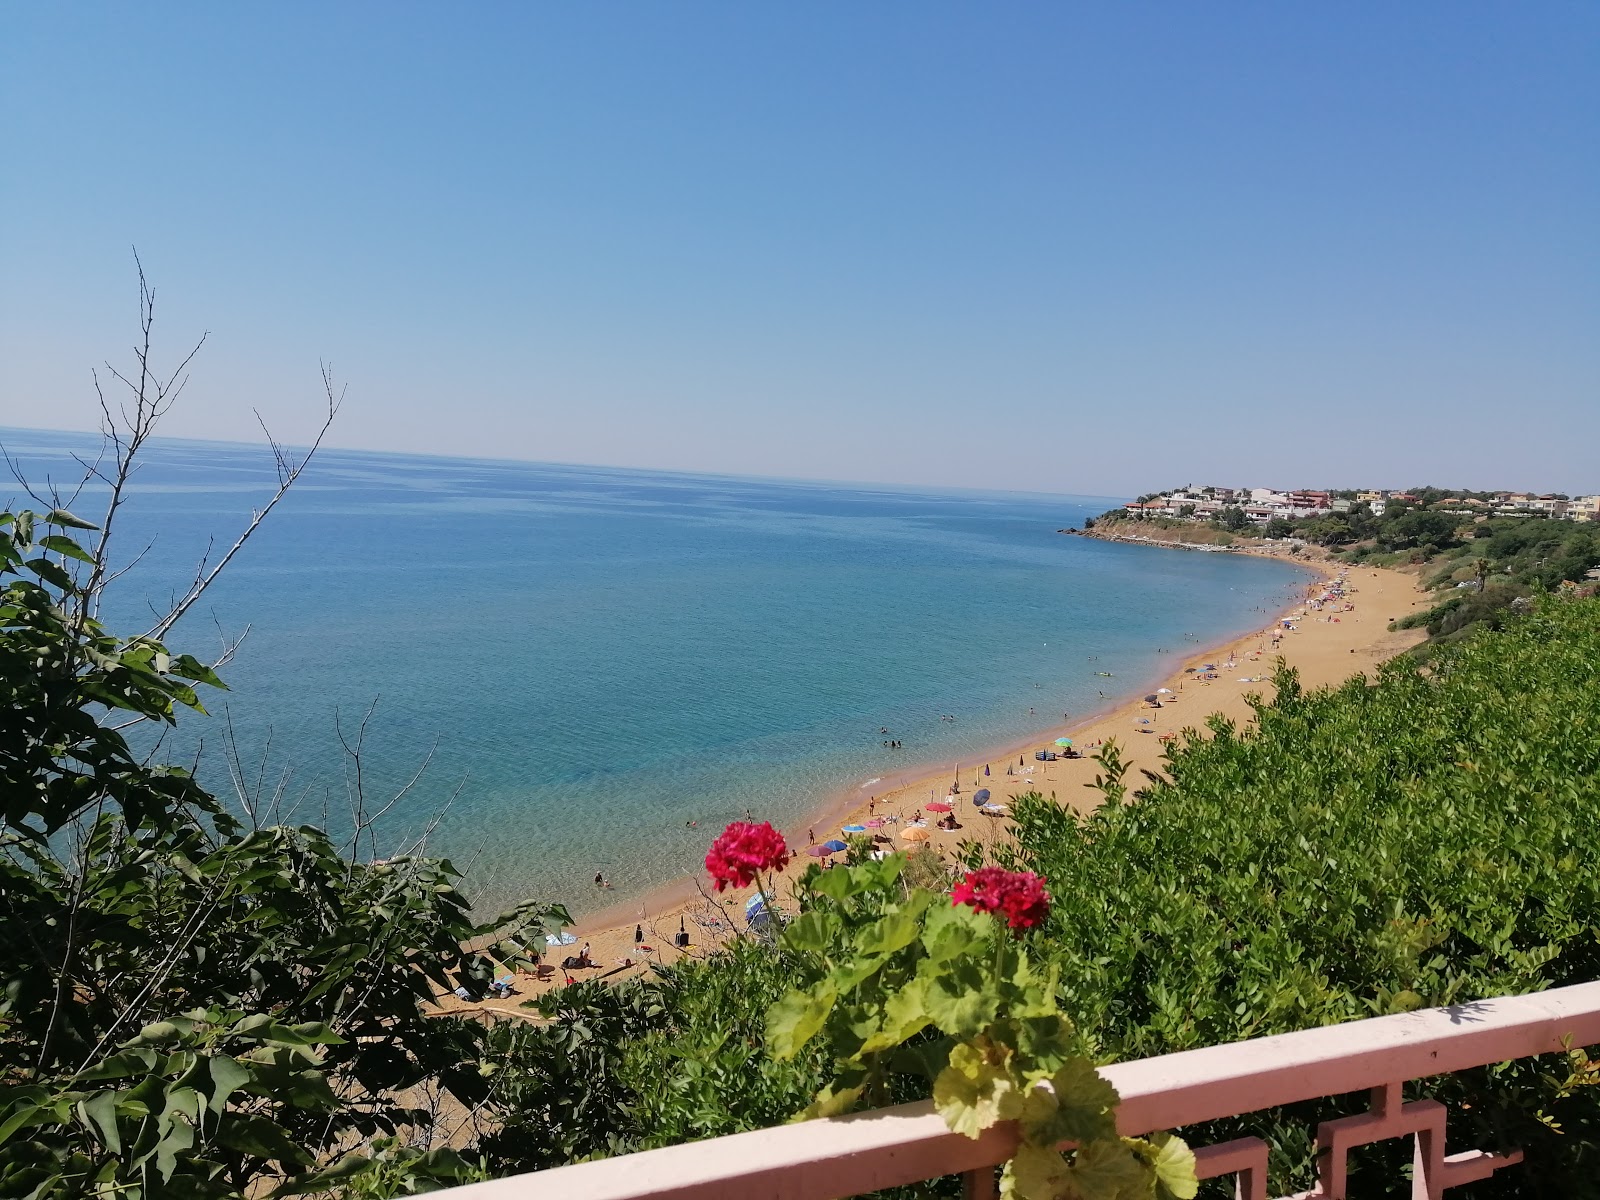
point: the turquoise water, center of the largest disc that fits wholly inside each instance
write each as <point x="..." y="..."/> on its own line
<point x="595" y="657"/>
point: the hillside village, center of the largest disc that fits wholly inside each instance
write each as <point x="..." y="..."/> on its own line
<point x="1262" y="505"/>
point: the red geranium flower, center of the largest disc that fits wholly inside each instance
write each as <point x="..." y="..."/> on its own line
<point x="1018" y="896"/>
<point x="741" y="850"/>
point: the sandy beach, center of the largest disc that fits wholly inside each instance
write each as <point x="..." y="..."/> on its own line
<point x="1326" y="645"/>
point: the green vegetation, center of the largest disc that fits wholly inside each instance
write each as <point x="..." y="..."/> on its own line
<point x="199" y="1001"/>
<point x="195" y="999"/>
<point x="1365" y="850"/>
<point x="196" y="1005"/>
<point x="1501" y="559"/>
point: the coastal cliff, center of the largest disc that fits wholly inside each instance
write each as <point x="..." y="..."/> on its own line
<point x="1203" y="538"/>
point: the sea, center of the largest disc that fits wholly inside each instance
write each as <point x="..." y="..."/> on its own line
<point x="546" y="671"/>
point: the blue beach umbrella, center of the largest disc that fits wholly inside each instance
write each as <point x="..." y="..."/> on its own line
<point x="854" y="828"/>
<point x="756" y="913"/>
<point x="834" y="846"/>
<point x="980" y="797"/>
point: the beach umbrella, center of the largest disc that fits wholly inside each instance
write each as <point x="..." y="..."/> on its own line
<point x="914" y="834"/>
<point x="818" y="851"/>
<point x="756" y="913"/>
<point x="1063" y="741"/>
<point x="981" y="795"/>
<point x="853" y="828"/>
<point x="938" y="806"/>
<point x="1165" y="692"/>
<point x="834" y="846"/>
<point x="986" y="770"/>
<point x="1152" y="698"/>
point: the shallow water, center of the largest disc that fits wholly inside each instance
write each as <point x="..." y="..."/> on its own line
<point x="595" y="657"/>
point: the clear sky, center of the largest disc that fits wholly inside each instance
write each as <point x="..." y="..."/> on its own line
<point x="1056" y="247"/>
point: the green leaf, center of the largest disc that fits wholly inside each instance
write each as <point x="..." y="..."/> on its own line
<point x="64" y="519"/>
<point x="1172" y="1161"/>
<point x="1108" y="1170"/>
<point x="99" y="1112"/>
<point x="250" y="1133"/>
<point x="830" y="1102"/>
<point x="263" y="1028"/>
<point x="959" y="999"/>
<point x="1083" y="1109"/>
<point x="976" y="1090"/>
<point x="66" y="546"/>
<point x="349" y="1167"/>
<point x="952" y="930"/>
<point x="837" y="884"/>
<point x="888" y="934"/>
<point x="51" y="573"/>
<point x="1044" y="1043"/>
<point x="905" y="1013"/>
<point x="810" y="931"/>
<point x="228" y="1075"/>
<point x="1034" y="1172"/>
<point x="186" y="666"/>
<point x="795" y="1019"/>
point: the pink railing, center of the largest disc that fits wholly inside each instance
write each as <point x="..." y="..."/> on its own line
<point x="847" y="1156"/>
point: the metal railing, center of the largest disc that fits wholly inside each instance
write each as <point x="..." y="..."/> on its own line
<point x="864" y="1152"/>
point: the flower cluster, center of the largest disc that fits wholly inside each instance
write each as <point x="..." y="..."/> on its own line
<point x="1018" y="896"/>
<point x="743" y="849"/>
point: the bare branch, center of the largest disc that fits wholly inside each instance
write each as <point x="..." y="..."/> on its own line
<point x="288" y="472"/>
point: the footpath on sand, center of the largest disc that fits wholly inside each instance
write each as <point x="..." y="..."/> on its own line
<point x="1326" y="642"/>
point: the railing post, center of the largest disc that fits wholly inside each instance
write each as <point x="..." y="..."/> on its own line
<point x="979" y="1185"/>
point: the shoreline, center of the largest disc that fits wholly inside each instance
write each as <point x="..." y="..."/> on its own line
<point x="841" y="806"/>
<point x="1325" y="647"/>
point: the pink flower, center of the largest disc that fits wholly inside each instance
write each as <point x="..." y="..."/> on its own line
<point x="1018" y="896"/>
<point x="743" y="849"/>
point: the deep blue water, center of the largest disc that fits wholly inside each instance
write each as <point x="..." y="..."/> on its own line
<point x="597" y="656"/>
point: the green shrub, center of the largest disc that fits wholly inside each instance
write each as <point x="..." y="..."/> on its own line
<point x="1364" y="850"/>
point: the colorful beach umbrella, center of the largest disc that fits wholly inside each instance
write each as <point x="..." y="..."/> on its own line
<point x="937" y="806"/>
<point x="853" y="828"/>
<point x="834" y="846"/>
<point x="914" y="834"/>
<point x="1063" y="741"/>
<point x="980" y="796"/>
<point x="818" y="851"/>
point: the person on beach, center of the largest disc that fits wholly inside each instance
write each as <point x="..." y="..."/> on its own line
<point x="638" y="934"/>
<point x="599" y="880"/>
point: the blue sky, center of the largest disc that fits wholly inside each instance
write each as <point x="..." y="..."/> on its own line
<point x="1052" y="247"/>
